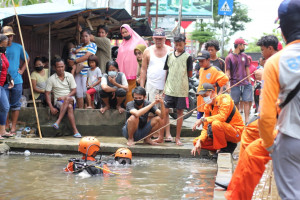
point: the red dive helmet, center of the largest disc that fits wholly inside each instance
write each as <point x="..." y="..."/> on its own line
<point x="89" y="146"/>
<point x="123" y="156"/>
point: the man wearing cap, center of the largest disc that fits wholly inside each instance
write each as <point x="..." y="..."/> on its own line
<point x="222" y="124"/>
<point x="281" y="80"/>
<point x="237" y="68"/>
<point x="14" y="54"/>
<point x="153" y="75"/>
<point x="208" y="74"/>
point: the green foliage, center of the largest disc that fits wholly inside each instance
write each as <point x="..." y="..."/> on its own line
<point x="236" y="21"/>
<point x="202" y="33"/>
<point x="9" y="3"/>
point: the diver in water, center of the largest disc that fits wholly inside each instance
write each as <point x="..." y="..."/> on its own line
<point x="123" y="156"/>
<point x="89" y="147"/>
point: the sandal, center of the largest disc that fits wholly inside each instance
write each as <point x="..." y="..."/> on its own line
<point x="11" y="134"/>
<point x="77" y="135"/>
<point x="56" y="126"/>
<point x="1" y="138"/>
<point x="169" y="139"/>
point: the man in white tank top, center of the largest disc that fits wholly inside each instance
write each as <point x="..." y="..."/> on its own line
<point x="152" y="70"/>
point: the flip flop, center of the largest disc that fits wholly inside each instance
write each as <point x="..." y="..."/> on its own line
<point x="8" y="135"/>
<point x="56" y="126"/>
<point x="179" y="143"/>
<point x="77" y="135"/>
<point x="169" y="139"/>
<point x="1" y="138"/>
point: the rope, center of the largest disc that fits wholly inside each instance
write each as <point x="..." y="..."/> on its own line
<point x="192" y="110"/>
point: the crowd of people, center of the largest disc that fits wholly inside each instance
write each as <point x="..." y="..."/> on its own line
<point x="146" y="82"/>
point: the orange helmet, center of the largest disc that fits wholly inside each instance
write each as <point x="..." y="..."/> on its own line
<point x="89" y="146"/>
<point x="123" y="156"/>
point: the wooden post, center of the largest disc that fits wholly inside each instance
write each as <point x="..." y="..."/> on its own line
<point x="26" y="62"/>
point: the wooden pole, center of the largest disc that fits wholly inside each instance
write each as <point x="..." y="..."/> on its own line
<point x="156" y="16"/>
<point x="26" y="62"/>
<point x="49" y="51"/>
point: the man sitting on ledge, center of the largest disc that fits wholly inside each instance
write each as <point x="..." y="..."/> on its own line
<point x="63" y="86"/>
<point x="137" y="125"/>
<point x="222" y="124"/>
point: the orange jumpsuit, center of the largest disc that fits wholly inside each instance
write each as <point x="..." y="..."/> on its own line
<point x="213" y="76"/>
<point x="250" y="134"/>
<point x="249" y="170"/>
<point x="217" y="115"/>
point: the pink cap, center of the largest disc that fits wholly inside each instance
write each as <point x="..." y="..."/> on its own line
<point x="240" y="41"/>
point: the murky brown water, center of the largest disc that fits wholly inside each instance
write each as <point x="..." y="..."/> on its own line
<point x="42" y="177"/>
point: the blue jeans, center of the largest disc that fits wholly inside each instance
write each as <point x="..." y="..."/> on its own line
<point x="14" y="95"/>
<point x="4" y="106"/>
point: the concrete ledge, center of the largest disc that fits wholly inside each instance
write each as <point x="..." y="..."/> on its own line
<point x="224" y="174"/>
<point x="89" y="122"/>
<point x="3" y="148"/>
<point x="108" y="146"/>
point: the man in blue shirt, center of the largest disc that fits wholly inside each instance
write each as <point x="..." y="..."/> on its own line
<point x="14" y="53"/>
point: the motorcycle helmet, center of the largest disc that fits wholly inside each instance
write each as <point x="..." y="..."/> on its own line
<point x="123" y="156"/>
<point x="89" y="146"/>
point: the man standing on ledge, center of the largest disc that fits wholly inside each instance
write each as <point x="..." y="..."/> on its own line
<point x="14" y="53"/>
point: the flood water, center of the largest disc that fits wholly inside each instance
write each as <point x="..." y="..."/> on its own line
<point x="41" y="176"/>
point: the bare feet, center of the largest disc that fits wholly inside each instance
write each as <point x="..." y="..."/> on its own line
<point x="121" y="110"/>
<point x="159" y="140"/>
<point x="149" y="141"/>
<point x="102" y="110"/>
<point x="178" y="142"/>
<point x="130" y="142"/>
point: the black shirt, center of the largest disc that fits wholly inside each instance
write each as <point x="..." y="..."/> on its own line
<point x="219" y="62"/>
<point x="144" y="118"/>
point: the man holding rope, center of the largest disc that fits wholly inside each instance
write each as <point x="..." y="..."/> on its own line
<point x="222" y="124"/>
<point x="137" y="125"/>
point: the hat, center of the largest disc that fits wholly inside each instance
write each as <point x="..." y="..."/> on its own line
<point x="179" y="38"/>
<point x="205" y="87"/>
<point x="159" y="33"/>
<point x="240" y="41"/>
<point x="203" y="55"/>
<point x="7" y="30"/>
<point x="289" y="14"/>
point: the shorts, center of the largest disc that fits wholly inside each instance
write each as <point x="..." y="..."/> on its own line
<point x="14" y="96"/>
<point x="59" y="103"/>
<point x="139" y="133"/>
<point x="81" y="85"/>
<point x="244" y="91"/>
<point x="152" y="92"/>
<point x="91" y="92"/>
<point x="176" y="102"/>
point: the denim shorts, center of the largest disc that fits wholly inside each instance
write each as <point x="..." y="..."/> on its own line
<point x="14" y="96"/>
<point x="139" y="133"/>
<point x="244" y="91"/>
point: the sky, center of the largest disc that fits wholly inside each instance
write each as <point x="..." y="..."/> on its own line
<point x="263" y="14"/>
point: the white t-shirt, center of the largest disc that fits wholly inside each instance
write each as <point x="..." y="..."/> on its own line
<point x="93" y="76"/>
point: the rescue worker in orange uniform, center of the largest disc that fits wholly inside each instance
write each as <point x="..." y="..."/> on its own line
<point x="208" y="74"/>
<point x="223" y="124"/>
<point x="89" y="147"/>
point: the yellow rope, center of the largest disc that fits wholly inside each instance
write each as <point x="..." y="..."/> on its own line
<point x="112" y="171"/>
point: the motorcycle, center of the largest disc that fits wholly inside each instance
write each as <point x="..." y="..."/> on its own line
<point x="192" y="99"/>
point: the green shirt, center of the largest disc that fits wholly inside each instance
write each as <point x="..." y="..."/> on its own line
<point x="177" y="83"/>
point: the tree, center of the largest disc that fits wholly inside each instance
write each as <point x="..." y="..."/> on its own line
<point x="202" y="33"/>
<point x="8" y="3"/>
<point x="236" y="21"/>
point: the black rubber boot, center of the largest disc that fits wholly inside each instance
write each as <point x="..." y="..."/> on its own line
<point x="229" y="149"/>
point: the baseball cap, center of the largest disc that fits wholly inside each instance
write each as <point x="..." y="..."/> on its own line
<point x="289" y="14"/>
<point x="179" y="38"/>
<point x="205" y="87"/>
<point x="7" y="30"/>
<point x="159" y="33"/>
<point x="240" y="41"/>
<point x="203" y="55"/>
